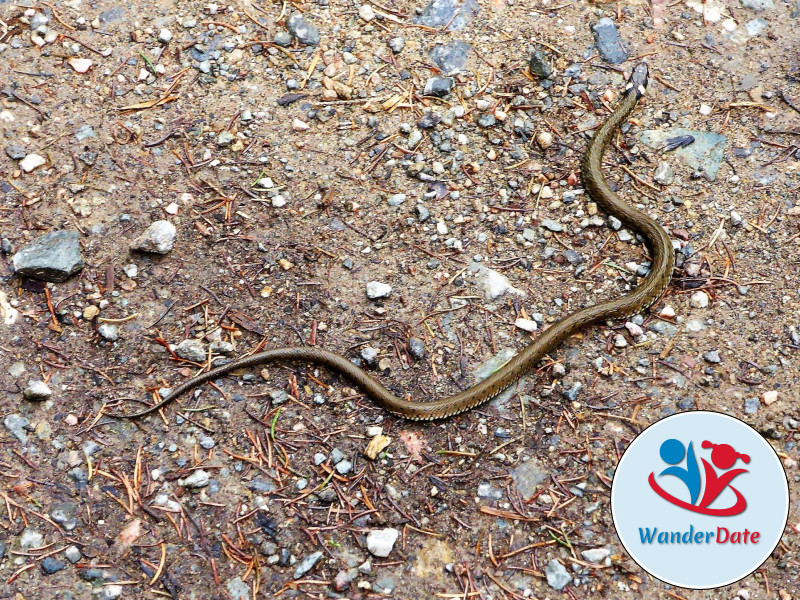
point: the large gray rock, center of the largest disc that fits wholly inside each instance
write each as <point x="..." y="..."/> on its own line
<point x="609" y="44"/>
<point x="704" y="155"/>
<point x="52" y="257"/>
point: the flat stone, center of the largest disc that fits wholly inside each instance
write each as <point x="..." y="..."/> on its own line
<point x="376" y="289"/>
<point x="596" y="555"/>
<point x="158" y="238"/>
<point x="302" y="30"/>
<point x="191" y="349"/>
<point x="528" y="476"/>
<point x="15" y="152"/>
<point x="551" y="225"/>
<point x="664" y="174"/>
<point x="108" y="331"/>
<point x="451" y="57"/>
<point x="381" y="541"/>
<point x="439" y="87"/>
<point x="759" y="5"/>
<point x="493" y="283"/>
<point x="16" y="424"/>
<point x="416" y="348"/>
<point x="52" y="565"/>
<point x="704" y="155"/>
<point x="52" y="257"/>
<point x="557" y="575"/>
<point x="197" y="479"/>
<point x="31" y="162"/>
<point x="238" y="589"/>
<point x="37" y="390"/>
<point x="609" y="44"/>
<point x="455" y="14"/>
<point x="699" y="300"/>
<point x="305" y="565"/>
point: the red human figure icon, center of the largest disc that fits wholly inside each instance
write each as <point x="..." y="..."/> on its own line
<point x="724" y="457"/>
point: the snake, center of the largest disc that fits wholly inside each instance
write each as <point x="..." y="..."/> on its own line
<point x="638" y="299"/>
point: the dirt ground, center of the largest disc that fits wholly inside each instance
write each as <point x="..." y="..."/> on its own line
<point x="280" y="160"/>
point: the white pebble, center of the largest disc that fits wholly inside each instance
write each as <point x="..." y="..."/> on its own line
<point x="699" y="300"/>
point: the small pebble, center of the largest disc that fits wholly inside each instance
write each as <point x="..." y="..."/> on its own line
<point x="37" y="391"/>
<point x="769" y="397"/>
<point x="381" y="541"/>
<point x="699" y="300"/>
<point x="376" y="290"/>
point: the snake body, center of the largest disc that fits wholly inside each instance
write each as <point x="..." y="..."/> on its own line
<point x="640" y="298"/>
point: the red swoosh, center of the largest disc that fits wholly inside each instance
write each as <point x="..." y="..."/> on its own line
<point x="739" y="507"/>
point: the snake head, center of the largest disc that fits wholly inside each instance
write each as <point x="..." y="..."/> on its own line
<point x="638" y="80"/>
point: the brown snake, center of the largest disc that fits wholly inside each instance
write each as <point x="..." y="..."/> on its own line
<point x="640" y="298"/>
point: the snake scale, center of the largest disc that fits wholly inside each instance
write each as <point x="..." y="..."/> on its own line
<point x="640" y="298"/>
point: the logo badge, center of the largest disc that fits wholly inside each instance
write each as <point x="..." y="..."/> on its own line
<point x="700" y="500"/>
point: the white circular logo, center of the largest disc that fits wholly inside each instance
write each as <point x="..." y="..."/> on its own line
<point x="700" y="500"/>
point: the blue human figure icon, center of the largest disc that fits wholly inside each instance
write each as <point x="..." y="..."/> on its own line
<point x="672" y="453"/>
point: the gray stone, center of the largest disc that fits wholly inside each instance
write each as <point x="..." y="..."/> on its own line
<point x="17" y="424"/>
<point x="73" y="554"/>
<point x="262" y="486"/>
<point x="614" y="223"/>
<point x="307" y="564"/>
<point x="596" y="555"/>
<point x="493" y="283"/>
<point x="397" y="44"/>
<point x="527" y="477"/>
<point x="557" y="576"/>
<point x="370" y="357"/>
<point x="197" y="479"/>
<point x="278" y="397"/>
<point x="451" y="57"/>
<point x="30" y="539"/>
<point x="439" y="86"/>
<point x="108" y="331"/>
<point x="16" y="152"/>
<point x="416" y="348"/>
<point x="487" y="120"/>
<point x="192" y="350"/>
<point x="489" y="492"/>
<point x="52" y="565"/>
<point x="609" y="44"/>
<point x="64" y="513"/>
<point x="302" y="30"/>
<point x="376" y="289"/>
<point x="157" y="239"/>
<point x="423" y="214"/>
<point x="455" y="14"/>
<point x="37" y="390"/>
<point x="756" y="27"/>
<point x="571" y="394"/>
<point x="381" y="541"/>
<point x="282" y="38"/>
<point x="238" y="589"/>
<point x="554" y="226"/>
<point x="344" y="466"/>
<point x="396" y="199"/>
<point x="53" y="257"/>
<point x="712" y="357"/>
<point x="759" y="5"/>
<point x="539" y="66"/>
<point x="751" y="406"/>
<point x="225" y="139"/>
<point x="664" y="174"/>
<point x="704" y="155"/>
